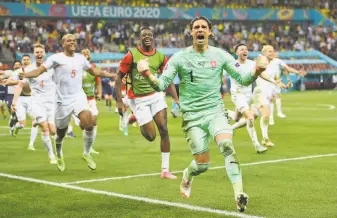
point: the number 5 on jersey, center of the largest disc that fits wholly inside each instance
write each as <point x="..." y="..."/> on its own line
<point x="73" y="73"/>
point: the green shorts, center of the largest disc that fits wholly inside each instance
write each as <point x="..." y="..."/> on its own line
<point x="198" y="127"/>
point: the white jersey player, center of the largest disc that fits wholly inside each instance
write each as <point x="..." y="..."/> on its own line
<point x="242" y="96"/>
<point x="279" y="66"/>
<point x="42" y="100"/>
<point x="70" y="98"/>
<point x="22" y="104"/>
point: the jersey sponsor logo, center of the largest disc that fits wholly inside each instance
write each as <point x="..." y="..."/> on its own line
<point x="213" y="64"/>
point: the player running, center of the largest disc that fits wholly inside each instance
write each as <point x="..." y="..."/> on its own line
<point x="279" y="66"/>
<point x="200" y="69"/>
<point x="43" y="100"/>
<point x="242" y="96"/>
<point x="90" y="84"/>
<point x="147" y="104"/>
<point x="70" y="98"/>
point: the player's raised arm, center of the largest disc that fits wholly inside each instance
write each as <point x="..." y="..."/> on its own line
<point x="33" y="74"/>
<point x="17" y="92"/>
<point x="232" y="68"/>
<point x="165" y="79"/>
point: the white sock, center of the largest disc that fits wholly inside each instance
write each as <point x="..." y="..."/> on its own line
<point x="94" y="136"/>
<point x="271" y="107"/>
<point x="88" y="137"/>
<point x="33" y="135"/>
<point x="58" y="145"/>
<point x="19" y="126"/>
<point x="47" y="143"/>
<point x="264" y="122"/>
<point x="70" y="128"/>
<point x="251" y="131"/>
<point x="165" y="161"/>
<point x="231" y="114"/>
<point x="239" y="124"/>
<point x="278" y="105"/>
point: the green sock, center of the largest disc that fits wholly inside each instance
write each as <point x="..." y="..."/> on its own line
<point x="195" y="169"/>
<point x="234" y="173"/>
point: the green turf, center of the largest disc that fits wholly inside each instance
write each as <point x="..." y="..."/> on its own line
<point x="303" y="188"/>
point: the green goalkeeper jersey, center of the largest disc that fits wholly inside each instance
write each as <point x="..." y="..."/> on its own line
<point x="200" y="77"/>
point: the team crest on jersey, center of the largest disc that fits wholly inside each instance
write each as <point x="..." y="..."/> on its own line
<point x="213" y="64"/>
<point x="237" y="65"/>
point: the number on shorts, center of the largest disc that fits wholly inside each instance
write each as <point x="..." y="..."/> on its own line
<point x="41" y="84"/>
<point x="73" y="73"/>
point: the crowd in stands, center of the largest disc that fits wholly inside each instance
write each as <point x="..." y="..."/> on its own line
<point x="192" y="3"/>
<point x="117" y="36"/>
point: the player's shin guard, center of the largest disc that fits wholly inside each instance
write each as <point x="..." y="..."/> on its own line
<point x="251" y="131"/>
<point x="195" y="169"/>
<point x="88" y="137"/>
<point x="58" y="145"/>
<point x="232" y="165"/>
<point x="47" y="143"/>
<point x="239" y="124"/>
<point x="264" y="122"/>
<point x="33" y="135"/>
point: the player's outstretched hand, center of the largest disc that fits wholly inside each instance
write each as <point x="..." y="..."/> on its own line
<point x="143" y="66"/>
<point x="22" y="74"/>
<point x="121" y="108"/>
<point x="13" y="108"/>
<point x="261" y="64"/>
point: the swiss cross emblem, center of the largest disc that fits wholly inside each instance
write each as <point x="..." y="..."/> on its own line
<point x="213" y="64"/>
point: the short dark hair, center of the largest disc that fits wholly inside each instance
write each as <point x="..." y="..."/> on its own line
<point x="25" y="55"/>
<point x="209" y="23"/>
<point x="16" y="61"/>
<point x="236" y="47"/>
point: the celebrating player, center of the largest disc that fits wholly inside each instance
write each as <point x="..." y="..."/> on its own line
<point x="200" y="68"/>
<point x="43" y="100"/>
<point x="70" y="98"/>
<point x="242" y="96"/>
<point x="147" y="104"/>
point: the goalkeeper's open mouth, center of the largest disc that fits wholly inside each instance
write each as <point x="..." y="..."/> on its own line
<point x="200" y="38"/>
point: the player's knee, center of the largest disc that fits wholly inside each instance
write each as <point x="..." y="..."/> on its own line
<point x="150" y="137"/>
<point x="163" y="131"/>
<point x="202" y="167"/>
<point x="226" y="147"/>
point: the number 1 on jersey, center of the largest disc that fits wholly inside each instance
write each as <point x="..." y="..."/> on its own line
<point x="191" y="75"/>
<point x="41" y="84"/>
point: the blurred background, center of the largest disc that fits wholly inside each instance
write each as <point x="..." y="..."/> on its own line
<point x="303" y="31"/>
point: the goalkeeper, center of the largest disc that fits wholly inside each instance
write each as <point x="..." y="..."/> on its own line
<point x="200" y="68"/>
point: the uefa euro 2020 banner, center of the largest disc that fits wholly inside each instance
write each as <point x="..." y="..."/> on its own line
<point x="116" y="12"/>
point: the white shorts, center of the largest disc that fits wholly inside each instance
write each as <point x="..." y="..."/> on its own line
<point x="242" y="102"/>
<point x="126" y="101"/>
<point x="260" y="98"/>
<point x="145" y="108"/>
<point x="63" y="112"/>
<point x="23" y="106"/>
<point x="43" y="111"/>
<point x="93" y="109"/>
<point x="276" y="91"/>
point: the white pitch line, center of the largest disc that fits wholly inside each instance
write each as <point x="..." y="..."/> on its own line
<point x="212" y="168"/>
<point x="131" y="197"/>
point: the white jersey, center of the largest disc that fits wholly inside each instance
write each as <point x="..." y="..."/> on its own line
<point x="14" y="76"/>
<point x="67" y="76"/>
<point x="43" y="87"/>
<point x="247" y="67"/>
<point x="272" y="70"/>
